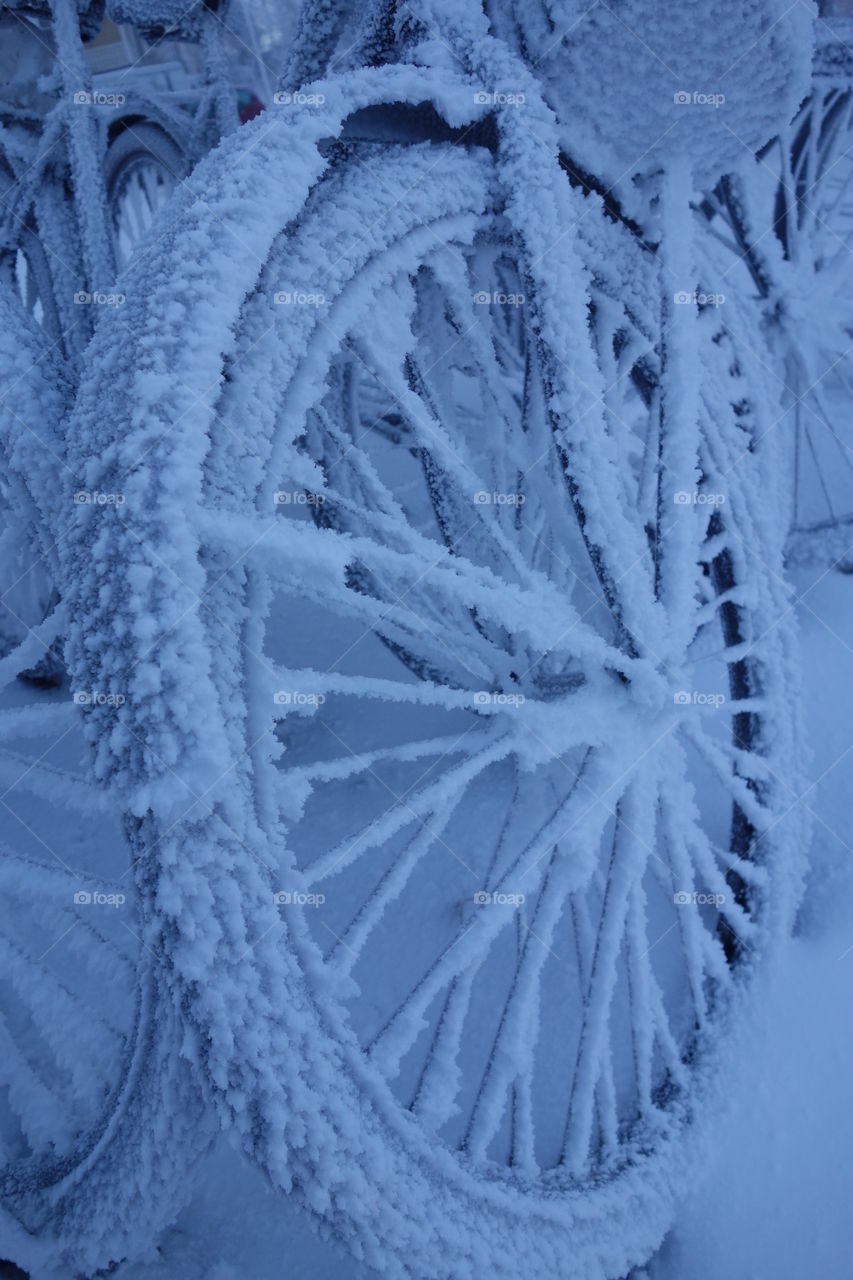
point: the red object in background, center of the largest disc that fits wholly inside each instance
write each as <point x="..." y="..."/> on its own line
<point x="249" y="105"/>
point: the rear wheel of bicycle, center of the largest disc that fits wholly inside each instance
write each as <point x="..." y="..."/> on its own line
<point x="803" y="199"/>
<point x="25" y="589"/>
<point x="820" y="234"/>
<point x="142" y="166"/>
<point x="24" y="264"/>
<point x="79" y="990"/>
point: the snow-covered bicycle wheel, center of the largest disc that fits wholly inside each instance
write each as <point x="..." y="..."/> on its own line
<point x="816" y="210"/>
<point x="398" y="520"/>
<point x="67" y="931"/>
<point x="789" y="235"/>
<point x="77" y="994"/>
<point x="141" y="167"/>
<point x="24" y="264"/>
<point x="523" y="810"/>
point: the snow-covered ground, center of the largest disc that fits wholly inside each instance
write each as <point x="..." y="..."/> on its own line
<point x="773" y="1203"/>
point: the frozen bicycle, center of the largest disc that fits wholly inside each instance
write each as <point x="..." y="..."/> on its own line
<point x="457" y="740"/>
